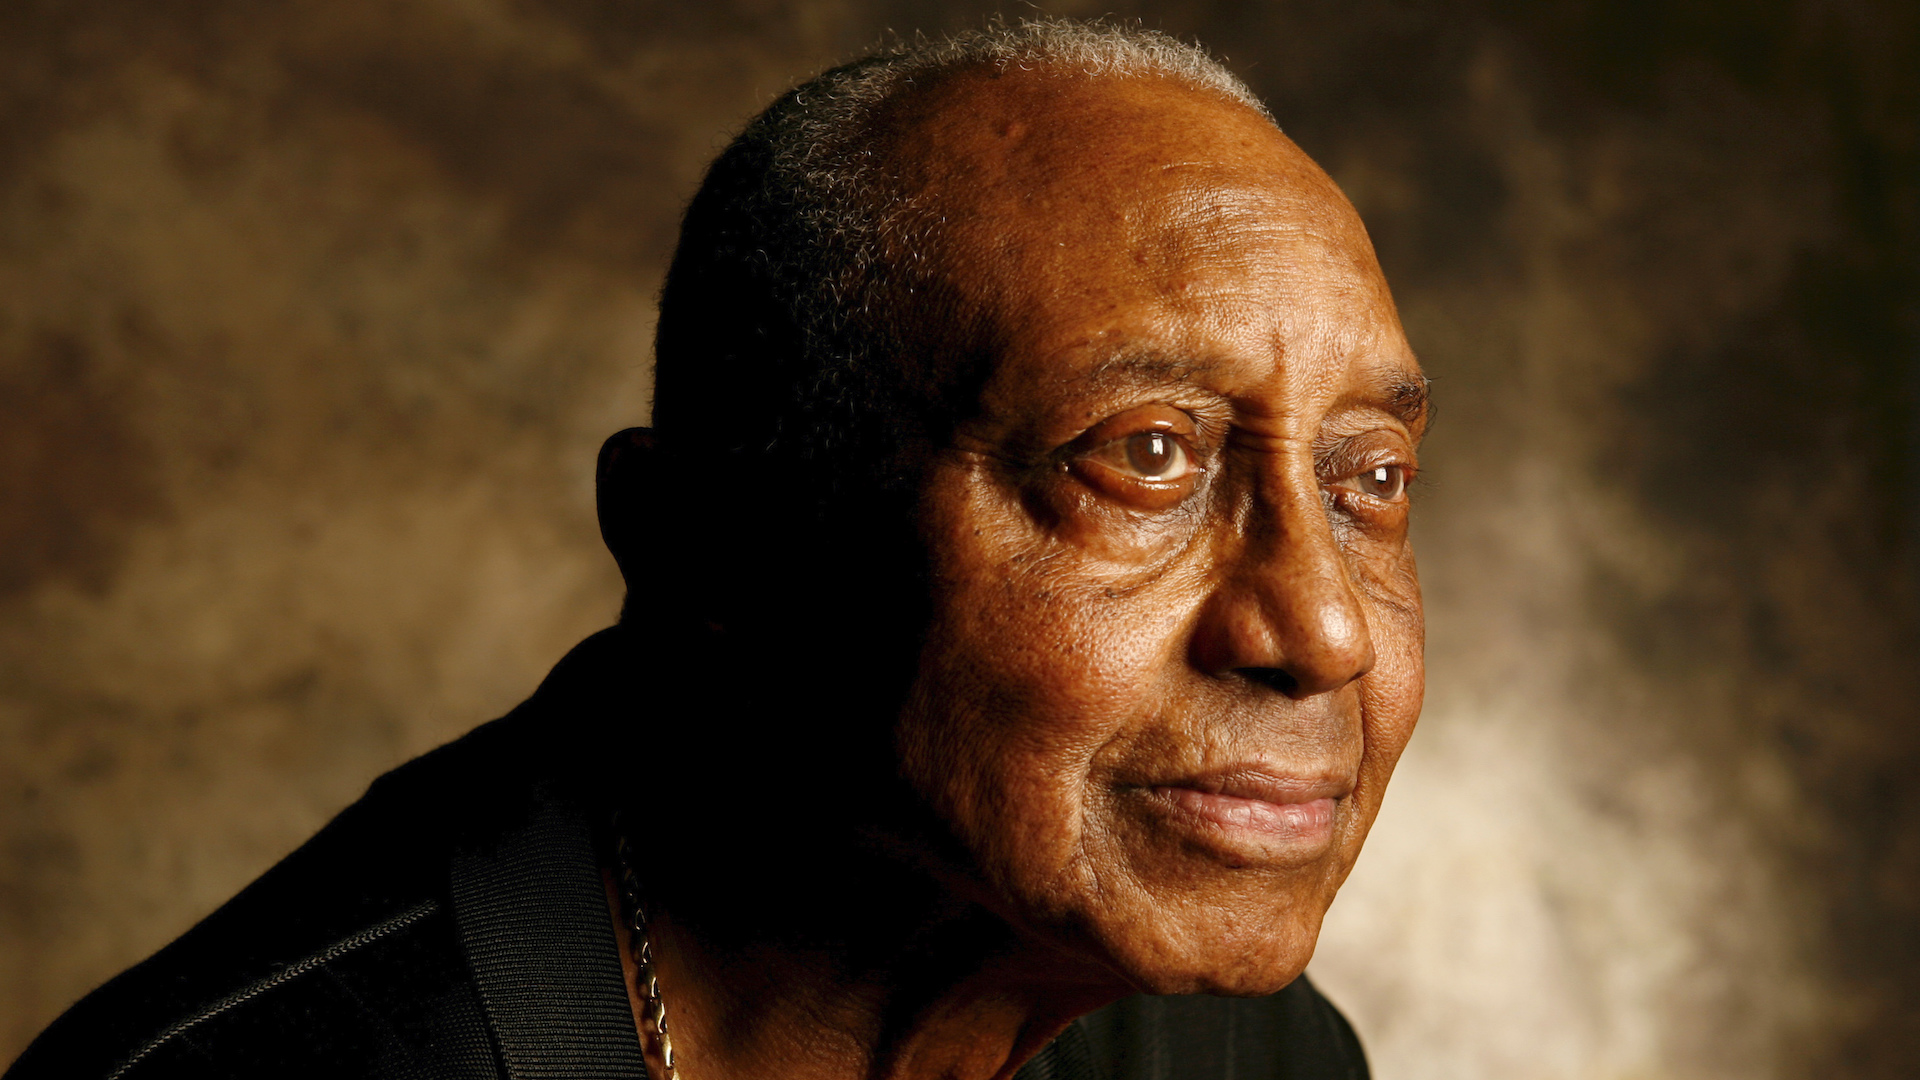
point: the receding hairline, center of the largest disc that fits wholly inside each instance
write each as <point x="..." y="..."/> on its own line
<point x="977" y="94"/>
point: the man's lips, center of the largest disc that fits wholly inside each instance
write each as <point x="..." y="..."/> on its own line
<point x="1288" y="809"/>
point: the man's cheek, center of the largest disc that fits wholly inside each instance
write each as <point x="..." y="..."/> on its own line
<point x="1389" y="580"/>
<point x="1390" y="698"/>
<point x="1061" y="624"/>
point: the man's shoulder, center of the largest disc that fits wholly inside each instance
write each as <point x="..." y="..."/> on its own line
<point x="343" y="959"/>
<point x="390" y="1000"/>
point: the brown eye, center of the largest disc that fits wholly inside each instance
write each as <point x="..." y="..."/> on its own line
<point x="1387" y="483"/>
<point x="1141" y="458"/>
<point x="1156" y="455"/>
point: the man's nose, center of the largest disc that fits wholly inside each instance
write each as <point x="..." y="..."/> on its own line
<point x="1286" y="613"/>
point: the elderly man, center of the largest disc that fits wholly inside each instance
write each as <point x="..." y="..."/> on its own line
<point x="1021" y="623"/>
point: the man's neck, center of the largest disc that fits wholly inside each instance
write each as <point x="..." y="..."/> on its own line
<point x="960" y="999"/>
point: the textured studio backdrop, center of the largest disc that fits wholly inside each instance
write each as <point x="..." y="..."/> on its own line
<point x="312" y="316"/>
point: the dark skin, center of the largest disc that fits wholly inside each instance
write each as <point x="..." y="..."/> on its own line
<point x="1173" y="645"/>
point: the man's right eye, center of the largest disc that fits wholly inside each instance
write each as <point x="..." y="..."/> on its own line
<point x="1149" y="468"/>
<point x="1154" y="455"/>
<point x="1159" y="458"/>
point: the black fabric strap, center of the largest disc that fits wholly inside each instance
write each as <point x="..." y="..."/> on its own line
<point x="533" y="920"/>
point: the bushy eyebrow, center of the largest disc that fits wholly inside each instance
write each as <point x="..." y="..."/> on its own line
<point x="1144" y="367"/>
<point x="1404" y="394"/>
<point x="1409" y="397"/>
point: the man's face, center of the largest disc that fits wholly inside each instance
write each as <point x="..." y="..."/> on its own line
<point x="1176" y="631"/>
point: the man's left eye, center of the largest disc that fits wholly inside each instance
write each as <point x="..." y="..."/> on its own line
<point x="1387" y="483"/>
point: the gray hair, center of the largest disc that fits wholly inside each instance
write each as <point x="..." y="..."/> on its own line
<point x="781" y="329"/>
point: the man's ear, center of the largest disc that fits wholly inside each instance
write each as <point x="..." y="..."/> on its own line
<point x="626" y="485"/>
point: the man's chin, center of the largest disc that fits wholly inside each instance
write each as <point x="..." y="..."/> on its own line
<point x="1218" y="953"/>
<point x="1225" y="978"/>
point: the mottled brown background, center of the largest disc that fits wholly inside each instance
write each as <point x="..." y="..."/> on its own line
<point x="312" y="315"/>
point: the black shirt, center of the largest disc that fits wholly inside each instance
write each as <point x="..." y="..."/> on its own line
<point x="451" y="925"/>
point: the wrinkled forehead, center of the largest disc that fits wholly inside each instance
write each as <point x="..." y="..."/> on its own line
<point x="1078" y="156"/>
<point x="1051" y="198"/>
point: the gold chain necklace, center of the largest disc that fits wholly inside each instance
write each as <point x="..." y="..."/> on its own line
<point x="655" y="1006"/>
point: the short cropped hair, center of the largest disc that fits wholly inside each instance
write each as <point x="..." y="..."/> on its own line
<point x="782" y="316"/>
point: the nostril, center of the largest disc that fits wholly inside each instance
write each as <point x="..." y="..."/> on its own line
<point x="1278" y="680"/>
